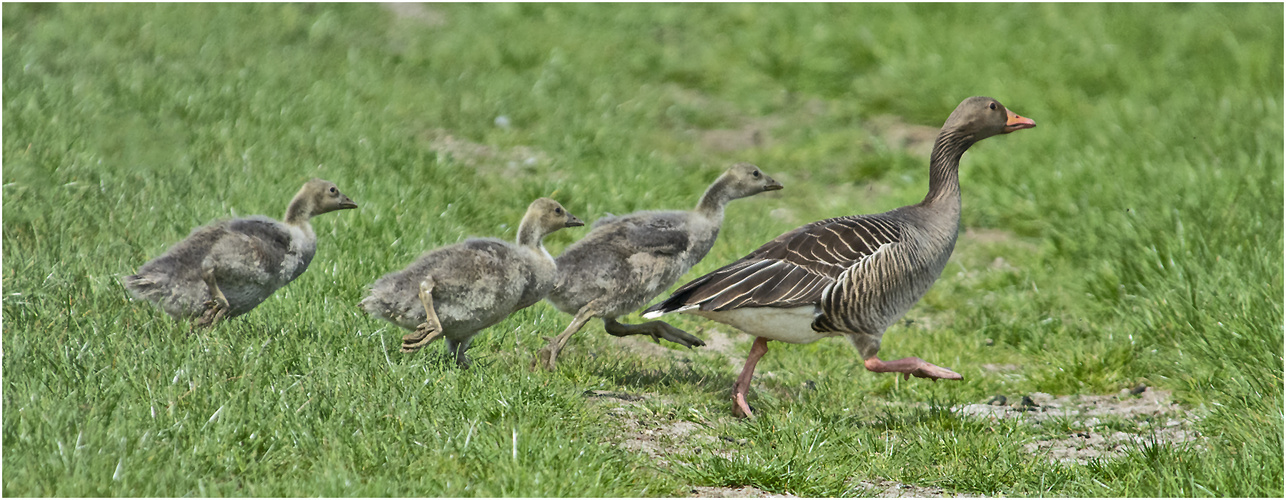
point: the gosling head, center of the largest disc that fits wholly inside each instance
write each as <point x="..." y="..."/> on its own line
<point x="982" y="117"/>
<point x="544" y="216"/>
<point x="744" y="179"/>
<point x="739" y="181"/>
<point x="315" y="198"/>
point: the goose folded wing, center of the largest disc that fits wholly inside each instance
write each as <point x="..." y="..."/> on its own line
<point x="791" y="270"/>
<point x="656" y="235"/>
<point x="250" y="250"/>
<point x="268" y="233"/>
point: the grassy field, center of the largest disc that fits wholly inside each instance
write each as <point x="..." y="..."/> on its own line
<point x="1133" y="237"/>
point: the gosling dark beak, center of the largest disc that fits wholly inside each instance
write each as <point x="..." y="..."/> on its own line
<point x="346" y="203"/>
<point x="573" y="221"/>
<point x="1016" y="122"/>
<point x="772" y="185"/>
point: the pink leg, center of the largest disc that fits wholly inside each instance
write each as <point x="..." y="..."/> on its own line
<point x="911" y="366"/>
<point x="742" y="386"/>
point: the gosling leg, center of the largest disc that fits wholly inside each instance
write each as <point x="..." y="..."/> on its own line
<point x="431" y="328"/>
<point x="656" y="329"/>
<point x="548" y="355"/>
<point x="217" y="307"/>
<point x="457" y="349"/>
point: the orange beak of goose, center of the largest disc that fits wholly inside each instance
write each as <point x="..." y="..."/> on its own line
<point x="1016" y="122"/>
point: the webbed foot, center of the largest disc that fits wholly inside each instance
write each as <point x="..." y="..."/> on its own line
<point x="912" y="366"/>
<point x="656" y="329"/>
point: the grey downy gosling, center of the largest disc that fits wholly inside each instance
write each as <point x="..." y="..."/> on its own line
<point x="225" y="269"/>
<point x="851" y="276"/>
<point x="625" y="261"/>
<point x="458" y="290"/>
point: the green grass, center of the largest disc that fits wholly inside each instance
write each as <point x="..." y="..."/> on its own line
<point x="1142" y="222"/>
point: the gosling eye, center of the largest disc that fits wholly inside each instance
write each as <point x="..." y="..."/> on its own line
<point x="992" y="106"/>
<point x="558" y="211"/>
<point x="755" y="174"/>
<point x="333" y="190"/>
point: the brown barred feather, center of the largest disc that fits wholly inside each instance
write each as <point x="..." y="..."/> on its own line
<point x="791" y="270"/>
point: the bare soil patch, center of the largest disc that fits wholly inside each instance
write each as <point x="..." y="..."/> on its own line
<point x="1095" y="426"/>
<point x="722" y="343"/>
<point x="883" y="488"/>
<point x="752" y="135"/>
<point x="749" y="133"/>
<point x="739" y="492"/>
<point x="489" y="160"/>
<point x="991" y="235"/>
<point x="659" y="436"/>
<point x="416" y="12"/>
<point x="916" y="140"/>
<point x="879" y="488"/>
<point x="663" y="436"/>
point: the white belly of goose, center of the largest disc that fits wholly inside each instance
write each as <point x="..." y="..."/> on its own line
<point x="791" y="325"/>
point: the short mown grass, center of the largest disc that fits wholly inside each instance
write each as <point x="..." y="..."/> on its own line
<point x="1140" y="232"/>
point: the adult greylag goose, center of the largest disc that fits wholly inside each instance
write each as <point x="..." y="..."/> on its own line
<point x="851" y="276"/>
<point x="457" y="290"/>
<point x="625" y="261"/>
<point x="225" y="269"/>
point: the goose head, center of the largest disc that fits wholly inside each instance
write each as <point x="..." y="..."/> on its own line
<point x="315" y="198"/>
<point x="981" y="117"/>
<point x="743" y="179"/>
<point x="325" y="197"/>
<point x="544" y="216"/>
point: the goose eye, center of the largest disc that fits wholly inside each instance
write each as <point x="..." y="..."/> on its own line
<point x="333" y="190"/>
<point x="558" y="211"/>
<point x="755" y="174"/>
<point x="992" y="105"/>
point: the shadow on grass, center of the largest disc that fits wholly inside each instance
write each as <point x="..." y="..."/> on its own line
<point x="628" y="373"/>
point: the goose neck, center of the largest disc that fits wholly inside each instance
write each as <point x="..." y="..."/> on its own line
<point x="299" y="211"/>
<point x="944" y="167"/>
<point x="714" y="200"/>
<point x="530" y="234"/>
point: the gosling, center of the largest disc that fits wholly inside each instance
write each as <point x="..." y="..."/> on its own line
<point x="456" y="291"/>
<point x="626" y="261"/>
<point x="225" y="269"/>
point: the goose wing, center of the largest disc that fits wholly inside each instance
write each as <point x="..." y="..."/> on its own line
<point x="793" y="269"/>
<point x="250" y="249"/>
<point x="655" y="233"/>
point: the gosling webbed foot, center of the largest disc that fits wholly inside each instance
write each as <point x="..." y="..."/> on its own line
<point x="214" y="312"/>
<point x="656" y="329"/>
<point x="422" y="336"/>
